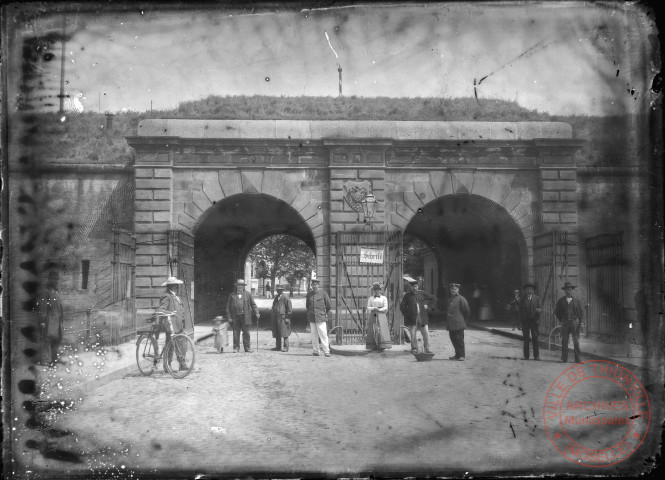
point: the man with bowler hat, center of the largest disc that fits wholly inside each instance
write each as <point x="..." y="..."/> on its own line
<point x="239" y="309"/>
<point x="51" y="320"/>
<point x="569" y="312"/>
<point x="318" y="305"/>
<point x="530" y="308"/>
<point x="458" y="313"/>
<point x="414" y="306"/>
<point x="281" y="319"/>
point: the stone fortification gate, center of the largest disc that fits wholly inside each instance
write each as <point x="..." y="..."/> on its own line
<point x="475" y="192"/>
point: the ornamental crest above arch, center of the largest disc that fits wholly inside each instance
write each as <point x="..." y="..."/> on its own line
<point x="355" y="193"/>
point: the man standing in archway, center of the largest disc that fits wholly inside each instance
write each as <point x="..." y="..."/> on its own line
<point x="239" y="310"/>
<point x="530" y="308"/>
<point x="281" y="319"/>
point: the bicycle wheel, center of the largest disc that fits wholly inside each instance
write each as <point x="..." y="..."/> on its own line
<point x="146" y="354"/>
<point x="179" y="356"/>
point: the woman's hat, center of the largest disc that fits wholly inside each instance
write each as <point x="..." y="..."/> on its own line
<point x="172" y="281"/>
<point x="568" y="285"/>
<point x="526" y="285"/>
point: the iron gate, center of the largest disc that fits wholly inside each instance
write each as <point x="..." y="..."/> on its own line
<point x="181" y="265"/>
<point x="550" y="262"/>
<point x="604" y="264"/>
<point x="123" y="248"/>
<point x="355" y="278"/>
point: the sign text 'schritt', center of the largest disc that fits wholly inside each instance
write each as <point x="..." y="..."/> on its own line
<point x="371" y="255"/>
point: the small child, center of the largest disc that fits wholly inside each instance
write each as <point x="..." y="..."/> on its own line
<point x="221" y="332"/>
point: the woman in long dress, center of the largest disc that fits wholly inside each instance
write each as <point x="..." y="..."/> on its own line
<point x="377" y="308"/>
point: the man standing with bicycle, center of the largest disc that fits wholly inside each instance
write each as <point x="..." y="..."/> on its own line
<point x="170" y="302"/>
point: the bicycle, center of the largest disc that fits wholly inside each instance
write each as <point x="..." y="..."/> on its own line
<point x="179" y="347"/>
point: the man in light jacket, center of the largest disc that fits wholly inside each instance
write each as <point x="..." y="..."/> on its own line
<point x="318" y="305"/>
<point x="239" y="309"/>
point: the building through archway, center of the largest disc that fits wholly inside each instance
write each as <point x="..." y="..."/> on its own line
<point x="226" y="233"/>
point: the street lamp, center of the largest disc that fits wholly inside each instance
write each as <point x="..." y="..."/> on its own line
<point x="369" y="207"/>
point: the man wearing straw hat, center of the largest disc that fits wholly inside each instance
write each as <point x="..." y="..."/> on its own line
<point x="170" y="302"/>
<point x="414" y="306"/>
<point x="571" y="315"/>
<point x="239" y="309"/>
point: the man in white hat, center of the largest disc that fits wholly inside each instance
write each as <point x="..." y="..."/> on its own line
<point x="239" y="309"/>
<point x="414" y="306"/>
<point x="170" y="302"/>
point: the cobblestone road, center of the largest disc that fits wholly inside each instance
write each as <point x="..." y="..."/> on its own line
<point x="293" y="413"/>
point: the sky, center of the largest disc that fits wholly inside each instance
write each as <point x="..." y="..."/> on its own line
<point x="559" y="58"/>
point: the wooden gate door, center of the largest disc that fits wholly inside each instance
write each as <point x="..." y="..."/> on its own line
<point x="181" y="265"/>
<point x="123" y="248"/>
<point x="550" y="261"/>
<point x="604" y="264"/>
<point x="362" y="259"/>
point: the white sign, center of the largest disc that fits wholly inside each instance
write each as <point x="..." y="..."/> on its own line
<point x="371" y="255"/>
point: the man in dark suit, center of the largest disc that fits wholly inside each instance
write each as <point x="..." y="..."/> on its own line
<point x="281" y="319"/>
<point x="569" y="312"/>
<point x="530" y="308"/>
<point x="239" y="309"/>
<point x="414" y="307"/>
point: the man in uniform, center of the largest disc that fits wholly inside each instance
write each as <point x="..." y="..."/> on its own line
<point x="458" y="314"/>
<point x="281" y="319"/>
<point x="318" y="305"/>
<point x="414" y="307"/>
<point x="569" y="312"/>
<point x="530" y="308"/>
<point x="169" y="302"/>
<point x="239" y="309"/>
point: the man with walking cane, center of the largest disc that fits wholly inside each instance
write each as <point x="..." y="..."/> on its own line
<point x="239" y="309"/>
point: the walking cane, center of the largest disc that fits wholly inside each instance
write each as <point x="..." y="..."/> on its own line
<point x="257" y="333"/>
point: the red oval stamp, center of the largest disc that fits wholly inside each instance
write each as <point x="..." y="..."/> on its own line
<point x="596" y="413"/>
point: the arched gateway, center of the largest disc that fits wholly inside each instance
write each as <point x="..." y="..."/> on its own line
<point x="477" y="192"/>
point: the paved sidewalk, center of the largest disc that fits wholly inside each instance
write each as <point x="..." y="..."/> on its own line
<point x="625" y="353"/>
